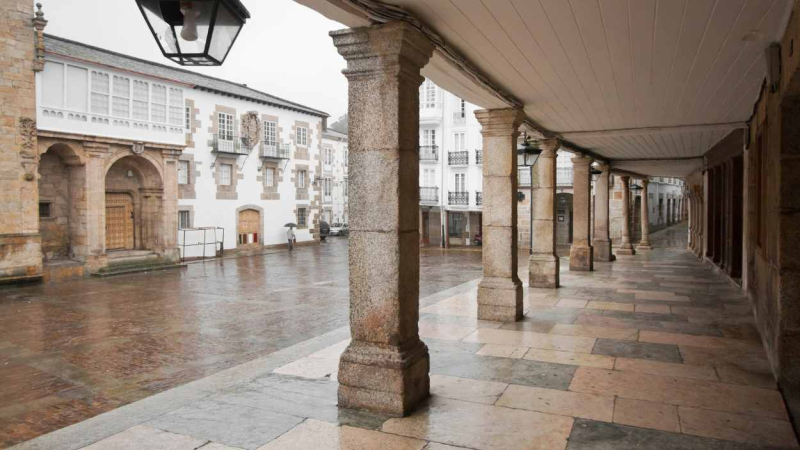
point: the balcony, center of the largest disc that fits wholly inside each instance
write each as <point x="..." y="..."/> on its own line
<point x="458" y="198"/>
<point x="459" y="119"/>
<point x="429" y="194"/>
<point x="458" y="158"/>
<point x="429" y="153"/>
<point x="478" y="198"/>
<point x="274" y="151"/>
<point x="524" y="177"/>
<point x="229" y="144"/>
<point x="478" y="156"/>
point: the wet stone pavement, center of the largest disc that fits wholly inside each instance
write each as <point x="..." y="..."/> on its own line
<point x="73" y="350"/>
<point x="653" y="351"/>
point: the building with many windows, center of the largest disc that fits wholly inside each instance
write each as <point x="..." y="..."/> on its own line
<point x="334" y="169"/>
<point x="139" y="161"/>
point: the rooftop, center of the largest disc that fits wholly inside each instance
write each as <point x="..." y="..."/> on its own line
<point x="76" y="50"/>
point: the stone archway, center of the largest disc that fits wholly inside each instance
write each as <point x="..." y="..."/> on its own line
<point x="62" y="179"/>
<point x="134" y="205"/>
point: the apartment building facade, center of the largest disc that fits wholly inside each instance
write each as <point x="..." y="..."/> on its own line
<point x="334" y="173"/>
<point x="142" y="160"/>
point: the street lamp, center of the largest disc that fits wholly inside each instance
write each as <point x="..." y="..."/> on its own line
<point x="635" y="189"/>
<point x="527" y="155"/>
<point x="197" y="32"/>
<point x="595" y="174"/>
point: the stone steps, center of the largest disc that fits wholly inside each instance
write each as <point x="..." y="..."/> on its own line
<point x="136" y="266"/>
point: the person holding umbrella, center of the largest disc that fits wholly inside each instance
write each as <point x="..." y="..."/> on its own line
<point x="290" y="234"/>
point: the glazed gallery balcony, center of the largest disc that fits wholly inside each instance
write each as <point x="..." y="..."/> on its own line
<point x="429" y="153"/>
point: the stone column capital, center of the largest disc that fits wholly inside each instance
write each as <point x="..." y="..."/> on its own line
<point x="605" y="168"/>
<point x="500" y="122"/>
<point x="381" y="48"/>
<point x="582" y="162"/>
<point x="550" y="147"/>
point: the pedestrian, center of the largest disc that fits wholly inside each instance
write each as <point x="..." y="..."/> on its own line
<point x="290" y="237"/>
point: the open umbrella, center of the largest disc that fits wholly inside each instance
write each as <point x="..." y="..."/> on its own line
<point x="290" y="225"/>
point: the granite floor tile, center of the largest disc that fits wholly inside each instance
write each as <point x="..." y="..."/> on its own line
<point x="503" y="370"/>
<point x="529" y="325"/>
<point x="748" y="376"/>
<point x="595" y="332"/>
<point x="462" y="321"/>
<point x="652" y="309"/>
<point x="309" y="367"/>
<point x="571" y="358"/>
<point x="534" y="340"/>
<point x="737" y="427"/>
<point x="217" y="446"/>
<point x="229" y="424"/>
<point x="637" y="413"/>
<point x="313" y="434"/>
<point x="666" y="369"/>
<point x="572" y="303"/>
<point x="483" y="427"/>
<point x="502" y="351"/>
<point x="637" y="350"/>
<point x="595" y="435"/>
<point x="680" y="391"/>
<point x="154" y="438"/>
<point x="613" y="306"/>
<point x="657" y="337"/>
<point x="563" y="403"/>
<point x="469" y="390"/>
<point x="444" y="331"/>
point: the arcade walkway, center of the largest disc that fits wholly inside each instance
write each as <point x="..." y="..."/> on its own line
<point x="651" y="351"/>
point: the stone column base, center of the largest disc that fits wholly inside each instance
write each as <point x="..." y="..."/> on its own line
<point x="602" y="250"/>
<point x="644" y="247"/>
<point x="543" y="271"/>
<point x="387" y="379"/>
<point x="500" y="299"/>
<point x="626" y="249"/>
<point x="580" y="258"/>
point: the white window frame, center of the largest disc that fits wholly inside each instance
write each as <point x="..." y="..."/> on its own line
<point x="302" y="136"/>
<point x="225" y="127"/>
<point x="459" y="141"/>
<point x="154" y="87"/>
<point x="270" y="133"/>
<point x="122" y="95"/>
<point x="327" y="186"/>
<point x="225" y="179"/>
<point x="143" y="100"/>
<point x="102" y="97"/>
<point x="429" y="136"/>
<point x="301" y="179"/>
<point x="269" y="176"/>
<point x="459" y="181"/>
<point x="183" y="172"/>
<point x="182" y="225"/>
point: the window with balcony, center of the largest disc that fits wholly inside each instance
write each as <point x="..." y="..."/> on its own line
<point x="302" y="136"/>
<point x="183" y="172"/>
<point x="121" y="101"/>
<point x="327" y="189"/>
<point x="225" y="127"/>
<point x="100" y="92"/>
<point x="225" y="174"/>
<point x="270" y="134"/>
<point x="428" y="151"/>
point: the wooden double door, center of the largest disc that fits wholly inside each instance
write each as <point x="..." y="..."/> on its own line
<point x="119" y="221"/>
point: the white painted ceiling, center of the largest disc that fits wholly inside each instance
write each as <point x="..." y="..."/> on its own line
<point x="592" y="65"/>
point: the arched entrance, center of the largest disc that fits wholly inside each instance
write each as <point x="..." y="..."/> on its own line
<point x="61" y="178"/>
<point x="134" y="206"/>
<point x="248" y="228"/>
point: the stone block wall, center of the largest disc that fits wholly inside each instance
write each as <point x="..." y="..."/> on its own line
<point x="54" y="192"/>
<point x="20" y="242"/>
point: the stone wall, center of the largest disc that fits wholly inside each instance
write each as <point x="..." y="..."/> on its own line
<point x="54" y="195"/>
<point x="773" y="236"/>
<point x="20" y="242"/>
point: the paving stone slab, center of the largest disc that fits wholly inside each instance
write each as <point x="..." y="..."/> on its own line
<point x="638" y="350"/>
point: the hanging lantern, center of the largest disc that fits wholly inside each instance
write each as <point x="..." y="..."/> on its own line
<point x="527" y="153"/>
<point x="197" y="32"/>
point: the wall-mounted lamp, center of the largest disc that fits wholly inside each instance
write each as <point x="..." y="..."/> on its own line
<point x="129" y="173"/>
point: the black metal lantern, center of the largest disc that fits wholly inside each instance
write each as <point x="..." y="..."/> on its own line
<point x="197" y="32"/>
<point x="595" y="174"/>
<point x="527" y="153"/>
<point x="635" y="188"/>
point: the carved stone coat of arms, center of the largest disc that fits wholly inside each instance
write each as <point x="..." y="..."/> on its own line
<point x="250" y="132"/>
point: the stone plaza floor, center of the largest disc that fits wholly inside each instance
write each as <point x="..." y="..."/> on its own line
<point x="653" y="351"/>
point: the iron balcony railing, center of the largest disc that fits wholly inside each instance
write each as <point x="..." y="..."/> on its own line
<point x="458" y="198"/>
<point x="524" y="177"/>
<point x="429" y="194"/>
<point x="478" y="156"/>
<point x="229" y="144"/>
<point x="275" y="151"/>
<point x="564" y="176"/>
<point x="458" y="158"/>
<point x="478" y="198"/>
<point x="459" y="118"/>
<point x="428" y="152"/>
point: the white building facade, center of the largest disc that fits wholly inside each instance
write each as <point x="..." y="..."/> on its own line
<point x="334" y="173"/>
<point x="142" y="160"/>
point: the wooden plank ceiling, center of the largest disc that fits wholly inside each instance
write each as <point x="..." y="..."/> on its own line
<point x="597" y="65"/>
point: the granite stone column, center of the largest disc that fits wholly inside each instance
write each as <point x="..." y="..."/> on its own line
<point x="625" y="247"/>
<point x="580" y="254"/>
<point x="644" y="243"/>
<point x="500" y="290"/>
<point x="602" y="237"/>
<point x="543" y="270"/>
<point x="385" y="367"/>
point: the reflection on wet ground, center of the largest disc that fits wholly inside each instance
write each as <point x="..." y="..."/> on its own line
<point x="73" y="350"/>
